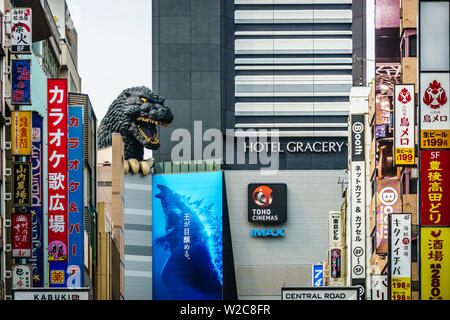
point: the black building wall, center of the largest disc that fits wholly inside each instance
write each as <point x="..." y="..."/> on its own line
<point x="187" y="65"/>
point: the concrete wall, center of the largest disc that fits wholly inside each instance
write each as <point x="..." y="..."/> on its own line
<point x="138" y="237"/>
<point x="263" y="266"/>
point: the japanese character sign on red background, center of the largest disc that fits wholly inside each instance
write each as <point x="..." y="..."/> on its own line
<point x="57" y="167"/>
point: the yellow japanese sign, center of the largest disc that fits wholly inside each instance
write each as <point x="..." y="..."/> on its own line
<point x="401" y="289"/>
<point x="404" y="156"/>
<point x="435" y="139"/>
<point x="435" y="263"/>
<point x="21" y="133"/>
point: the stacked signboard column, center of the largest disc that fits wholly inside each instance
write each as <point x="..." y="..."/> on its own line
<point x="434" y="163"/>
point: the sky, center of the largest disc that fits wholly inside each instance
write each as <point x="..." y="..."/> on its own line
<point x="114" y="48"/>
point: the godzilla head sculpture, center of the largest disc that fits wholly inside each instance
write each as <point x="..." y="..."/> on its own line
<point x="135" y="114"/>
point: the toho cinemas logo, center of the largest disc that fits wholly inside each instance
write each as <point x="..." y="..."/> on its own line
<point x="267" y="204"/>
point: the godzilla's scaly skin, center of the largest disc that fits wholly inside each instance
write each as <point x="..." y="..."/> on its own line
<point x="122" y="117"/>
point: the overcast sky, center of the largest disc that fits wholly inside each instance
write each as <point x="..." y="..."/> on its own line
<point x="114" y="48"/>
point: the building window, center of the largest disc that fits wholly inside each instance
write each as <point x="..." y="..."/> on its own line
<point x="412" y="46"/>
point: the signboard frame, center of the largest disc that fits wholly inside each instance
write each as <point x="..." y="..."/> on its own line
<point x="407" y="121"/>
<point x="85" y="292"/>
<point x="317" y="290"/>
<point x="404" y="278"/>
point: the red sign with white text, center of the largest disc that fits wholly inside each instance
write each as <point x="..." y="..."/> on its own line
<point x="57" y="109"/>
<point x="435" y="188"/>
<point x="21" y="235"/>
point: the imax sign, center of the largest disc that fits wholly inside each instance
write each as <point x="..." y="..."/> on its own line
<point x="266" y="233"/>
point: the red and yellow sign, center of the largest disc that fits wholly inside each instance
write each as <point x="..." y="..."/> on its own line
<point x="435" y="263"/>
<point x="435" y="139"/>
<point x="21" y="133"/>
<point x="401" y="289"/>
<point x="435" y="188"/>
<point x="404" y="156"/>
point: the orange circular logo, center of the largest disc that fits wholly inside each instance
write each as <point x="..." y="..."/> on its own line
<point x="262" y="196"/>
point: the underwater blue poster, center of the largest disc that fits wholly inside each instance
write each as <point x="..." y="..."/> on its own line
<point x="187" y="236"/>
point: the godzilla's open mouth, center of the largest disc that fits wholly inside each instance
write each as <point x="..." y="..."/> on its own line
<point x="147" y="129"/>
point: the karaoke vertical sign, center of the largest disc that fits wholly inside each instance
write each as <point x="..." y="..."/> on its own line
<point x="76" y="199"/>
<point x="57" y="109"/>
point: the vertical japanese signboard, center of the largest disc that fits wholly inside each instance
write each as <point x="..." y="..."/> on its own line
<point x="434" y="126"/>
<point x="358" y="200"/>
<point x="335" y="263"/>
<point x="21" y="235"/>
<point x="434" y="110"/>
<point x="36" y="210"/>
<point x="435" y="263"/>
<point x="21" y="133"/>
<point x="388" y="201"/>
<point x="20" y="82"/>
<point x="435" y="188"/>
<point x="21" y="184"/>
<point x="400" y="256"/>
<point x="57" y="180"/>
<point x="76" y="199"/>
<point x="21" y="30"/>
<point x="335" y="228"/>
<point x="404" y="131"/>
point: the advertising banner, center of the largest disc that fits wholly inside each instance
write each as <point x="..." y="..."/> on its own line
<point x="21" y="184"/>
<point x="388" y="201"/>
<point x="21" y="235"/>
<point x="335" y="265"/>
<point x="435" y="188"/>
<point x="21" y="30"/>
<point x="187" y="236"/>
<point x="267" y="203"/>
<point x="404" y="121"/>
<point x="21" y="133"/>
<point x="20" y="82"/>
<point x="400" y="256"/>
<point x="21" y="276"/>
<point x="36" y="210"/>
<point x="434" y="110"/>
<point x="57" y="180"/>
<point x="358" y="219"/>
<point x="76" y="198"/>
<point x="435" y="263"/>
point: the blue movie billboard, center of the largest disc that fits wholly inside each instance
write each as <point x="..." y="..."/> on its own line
<point x="187" y="236"/>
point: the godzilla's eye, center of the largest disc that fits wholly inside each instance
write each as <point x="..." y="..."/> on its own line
<point x="143" y="100"/>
